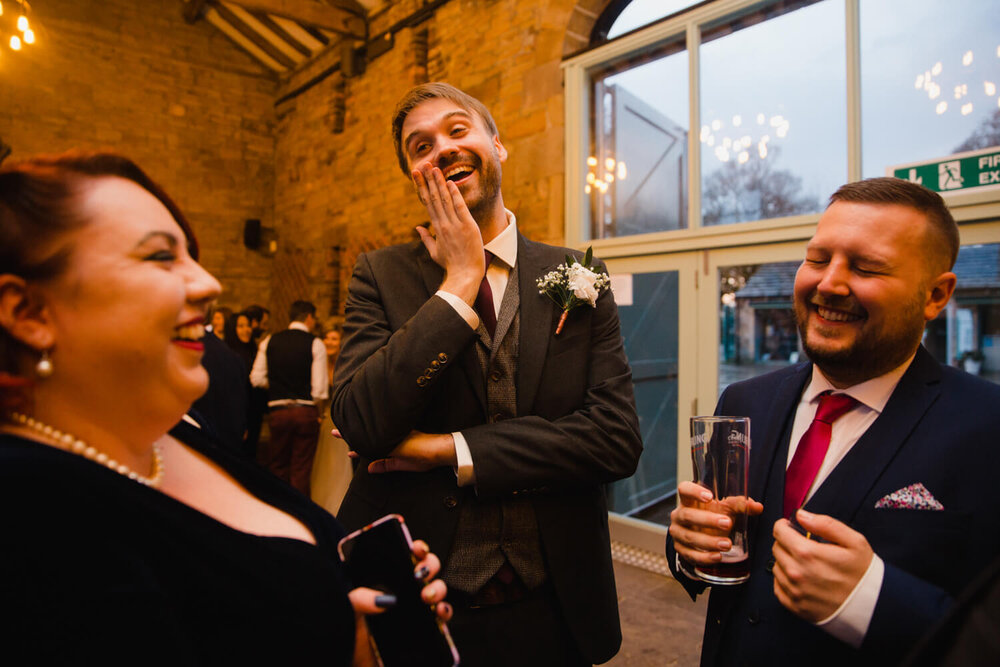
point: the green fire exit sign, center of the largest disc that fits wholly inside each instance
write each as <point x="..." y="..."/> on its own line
<point x="962" y="171"/>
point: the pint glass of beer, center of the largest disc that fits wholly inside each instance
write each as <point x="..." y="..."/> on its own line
<point x="720" y="451"/>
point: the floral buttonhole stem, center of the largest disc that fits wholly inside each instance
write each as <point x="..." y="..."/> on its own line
<point x="573" y="284"/>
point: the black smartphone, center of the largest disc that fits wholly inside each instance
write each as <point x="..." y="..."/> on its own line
<point x="380" y="556"/>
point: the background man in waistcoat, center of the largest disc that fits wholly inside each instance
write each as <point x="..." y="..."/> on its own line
<point x="489" y="433"/>
<point x="291" y="365"/>
<point x="895" y="507"/>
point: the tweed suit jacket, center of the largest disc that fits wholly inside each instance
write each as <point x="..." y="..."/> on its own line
<point x="940" y="429"/>
<point x="409" y="363"/>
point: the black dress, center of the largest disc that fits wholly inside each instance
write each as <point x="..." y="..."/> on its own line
<point x="98" y="569"/>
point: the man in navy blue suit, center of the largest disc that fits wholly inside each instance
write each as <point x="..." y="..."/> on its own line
<point x="899" y="514"/>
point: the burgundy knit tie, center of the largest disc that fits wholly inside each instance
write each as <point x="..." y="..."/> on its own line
<point x="484" y="300"/>
<point x="812" y="448"/>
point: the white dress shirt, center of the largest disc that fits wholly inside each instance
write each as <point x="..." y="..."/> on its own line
<point x="319" y="376"/>
<point x="504" y="249"/>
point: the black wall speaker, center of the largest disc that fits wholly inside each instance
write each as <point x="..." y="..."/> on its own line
<point x="251" y="233"/>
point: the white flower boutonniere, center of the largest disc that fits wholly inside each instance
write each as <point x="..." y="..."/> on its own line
<point x="573" y="284"/>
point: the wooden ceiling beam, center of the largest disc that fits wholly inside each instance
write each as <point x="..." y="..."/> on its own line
<point x="346" y="19"/>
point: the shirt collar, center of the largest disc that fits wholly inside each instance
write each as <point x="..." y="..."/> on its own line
<point x="301" y="326"/>
<point x="504" y="245"/>
<point x="873" y="393"/>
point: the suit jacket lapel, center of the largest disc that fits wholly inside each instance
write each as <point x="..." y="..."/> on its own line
<point x="765" y="445"/>
<point x="842" y="493"/>
<point x="537" y="323"/>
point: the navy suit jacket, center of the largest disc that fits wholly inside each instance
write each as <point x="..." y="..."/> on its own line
<point x="939" y="428"/>
<point x="409" y="363"/>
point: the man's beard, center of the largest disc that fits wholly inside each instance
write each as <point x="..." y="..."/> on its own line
<point x="489" y="185"/>
<point x="873" y="352"/>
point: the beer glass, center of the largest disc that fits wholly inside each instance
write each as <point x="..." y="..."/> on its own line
<point x="720" y="451"/>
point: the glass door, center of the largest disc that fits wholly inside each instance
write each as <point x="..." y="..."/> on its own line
<point x="655" y="297"/>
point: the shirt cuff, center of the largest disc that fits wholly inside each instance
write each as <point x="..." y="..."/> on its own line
<point x="850" y="622"/>
<point x="463" y="470"/>
<point x="464" y="310"/>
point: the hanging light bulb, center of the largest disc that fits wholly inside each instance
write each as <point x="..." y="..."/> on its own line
<point x="1" y="9"/>
<point x="15" y="42"/>
<point x="29" y="37"/>
<point x="22" y="23"/>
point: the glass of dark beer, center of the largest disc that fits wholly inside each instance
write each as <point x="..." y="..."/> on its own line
<point x="720" y="452"/>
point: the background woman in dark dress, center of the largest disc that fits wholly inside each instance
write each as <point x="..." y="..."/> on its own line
<point x="120" y="540"/>
<point x="239" y="337"/>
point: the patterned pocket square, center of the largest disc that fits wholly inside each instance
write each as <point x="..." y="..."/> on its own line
<point x="912" y="497"/>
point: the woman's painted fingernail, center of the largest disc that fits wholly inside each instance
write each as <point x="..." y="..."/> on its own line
<point x="421" y="572"/>
<point x="385" y="601"/>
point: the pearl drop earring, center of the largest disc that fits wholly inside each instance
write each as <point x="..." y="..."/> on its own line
<point x="43" y="368"/>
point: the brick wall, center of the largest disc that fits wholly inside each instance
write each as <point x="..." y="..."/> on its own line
<point x="181" y="100"/>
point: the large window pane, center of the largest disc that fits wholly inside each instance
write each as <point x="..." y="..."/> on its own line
<point x="773" y="112"/>
<point x="637" y="165"/>
<point x="930" y="74"/>
<point x="757" y="331"/>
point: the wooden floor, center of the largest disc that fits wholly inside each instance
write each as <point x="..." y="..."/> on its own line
<point x="661" y="626"/>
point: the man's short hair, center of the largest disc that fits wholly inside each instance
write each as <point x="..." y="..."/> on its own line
<point x="299" y="309"/>
<point x="943" y="240"/>
<point x="429" y="91"/>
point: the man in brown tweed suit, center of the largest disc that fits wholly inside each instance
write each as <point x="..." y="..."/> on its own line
<point x="489" y="433"/>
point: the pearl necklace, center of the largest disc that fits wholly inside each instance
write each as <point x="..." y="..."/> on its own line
<point x="73" y="444"/>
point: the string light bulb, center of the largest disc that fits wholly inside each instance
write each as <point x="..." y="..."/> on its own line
<point x="16" y="32"/>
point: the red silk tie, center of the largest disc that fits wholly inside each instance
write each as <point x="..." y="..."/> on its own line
<point x="812" y="448"/>
<point x="484" y="300"/>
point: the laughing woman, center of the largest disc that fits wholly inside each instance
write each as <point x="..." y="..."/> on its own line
<point x="124" y="537"/>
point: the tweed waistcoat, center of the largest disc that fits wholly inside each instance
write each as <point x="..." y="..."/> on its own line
<point x="491" y="532"/>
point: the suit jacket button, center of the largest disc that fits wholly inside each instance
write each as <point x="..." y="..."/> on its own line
<point x="450" y="501"/>
<point x="770" y="566"/>
<point x="754" y="617"/>
<point x="496" y="418"/>
<point x="422" y="381"/>
<point x="495" y="376"/>
<point x="443" y="358"/>
<point x="435" y="363"/>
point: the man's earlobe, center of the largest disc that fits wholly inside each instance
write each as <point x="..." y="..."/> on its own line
<point x="940" y="293"/>
<point x="501" y="151"/>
